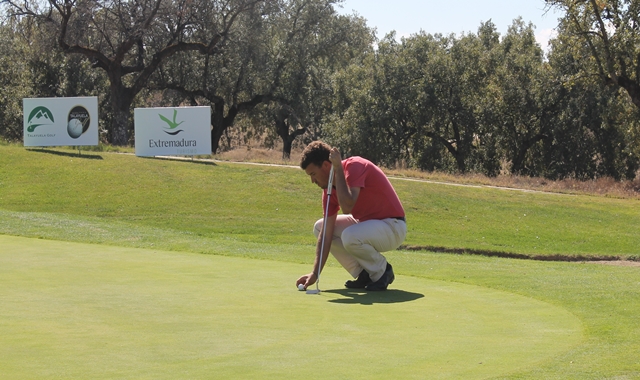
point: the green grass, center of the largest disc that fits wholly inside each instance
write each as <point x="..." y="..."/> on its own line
<point x="520" y="222"/>
<point x="277" y="205"/>
<point x="88" y="311"/>
<point x="267" y="212"/>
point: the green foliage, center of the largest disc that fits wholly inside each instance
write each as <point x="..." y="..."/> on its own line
<point x="594" y="122"/>
<point x="272" y="78"/>
<point x="519" y="85"/>
<point x="604" y="36"/>
<point x="423" y="104"/>
<point x="294" y="71"/>
<point x="14" y="82"/>
<point x="478" y="103"/>
<point x="33" y="68"/>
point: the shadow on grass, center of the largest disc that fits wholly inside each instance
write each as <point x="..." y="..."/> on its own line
<point x="359" y="296"/>
<point x="67" y="154"/>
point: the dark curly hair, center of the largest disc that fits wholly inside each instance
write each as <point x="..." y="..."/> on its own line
<point x="315" y="153"/>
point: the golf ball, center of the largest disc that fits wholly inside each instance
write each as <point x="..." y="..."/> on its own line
<point x="74" y="127"/>
<point x="301" y="287"/>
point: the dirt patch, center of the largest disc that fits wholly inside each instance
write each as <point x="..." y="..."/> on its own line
<point x="629" y="261"/>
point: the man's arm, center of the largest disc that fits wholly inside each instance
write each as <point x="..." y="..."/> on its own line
<point x="347" y="196"/>
<point x="311" y="278"/>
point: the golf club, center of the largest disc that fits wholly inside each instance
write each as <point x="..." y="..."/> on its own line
<point x="324" y="233"/>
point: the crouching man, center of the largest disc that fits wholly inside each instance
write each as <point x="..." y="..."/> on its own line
<point x="372" y="219"/>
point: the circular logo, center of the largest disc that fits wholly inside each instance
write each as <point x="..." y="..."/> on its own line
<point x="78" y="121"/>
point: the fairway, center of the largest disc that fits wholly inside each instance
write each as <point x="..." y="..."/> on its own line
<point x="73" y="310"/>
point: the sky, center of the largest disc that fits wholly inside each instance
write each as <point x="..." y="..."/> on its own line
<point x="408" y="17"/>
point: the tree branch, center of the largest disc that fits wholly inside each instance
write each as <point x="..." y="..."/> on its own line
<point x="605" y="39"/>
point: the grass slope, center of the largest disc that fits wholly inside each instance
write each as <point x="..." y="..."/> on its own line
<point x="278" y="205"/>
<point x="266" y="213"/>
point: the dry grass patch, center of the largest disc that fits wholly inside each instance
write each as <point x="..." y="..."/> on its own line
<point x="602" y="186"/>
<point x="259" y="155"/>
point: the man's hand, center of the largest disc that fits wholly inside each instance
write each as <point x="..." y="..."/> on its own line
<point x="335" y="158"/>
<point x="307" y="280"/>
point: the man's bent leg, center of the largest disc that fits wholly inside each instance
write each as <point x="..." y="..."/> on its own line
<point x="338" y="251"/>
<point x="366" y="240"/>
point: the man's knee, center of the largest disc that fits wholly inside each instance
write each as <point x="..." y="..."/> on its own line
<point x="317" y="227"/>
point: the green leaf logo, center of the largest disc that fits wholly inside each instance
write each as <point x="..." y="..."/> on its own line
<point x="172" y="124"/>
<point x="39" y="116"/>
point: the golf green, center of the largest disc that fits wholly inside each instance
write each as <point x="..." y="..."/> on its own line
<point x="73" y="310"/>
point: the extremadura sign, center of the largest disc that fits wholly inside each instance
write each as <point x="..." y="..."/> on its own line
<point x="173" y="131"/>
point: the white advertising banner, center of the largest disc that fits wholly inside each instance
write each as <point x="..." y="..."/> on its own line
<point x="173" y="131"/>
<point x="60" y="121"/>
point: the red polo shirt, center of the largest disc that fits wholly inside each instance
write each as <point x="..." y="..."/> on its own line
<point x="377" y="198"/>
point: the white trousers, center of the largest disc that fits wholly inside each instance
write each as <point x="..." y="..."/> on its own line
<point x="357" y="246"/>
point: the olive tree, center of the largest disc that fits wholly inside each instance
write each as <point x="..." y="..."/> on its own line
<point x="130" y="39"/>
<point x="275" y="70"/>
<point x="605" y="35"/>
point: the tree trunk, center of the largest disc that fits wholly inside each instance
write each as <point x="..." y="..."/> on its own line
<point x="218" y="126"/>
<point x="286" y="149"/>
<point x="517" y="165"/>
<point x="121" y="99"/>
<point x="282" y="128"/>
<point x="220" y="123"/>
<point x="462" y="166"/>
<point x="288" y="142"/>
<point x="454" y="150"/>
